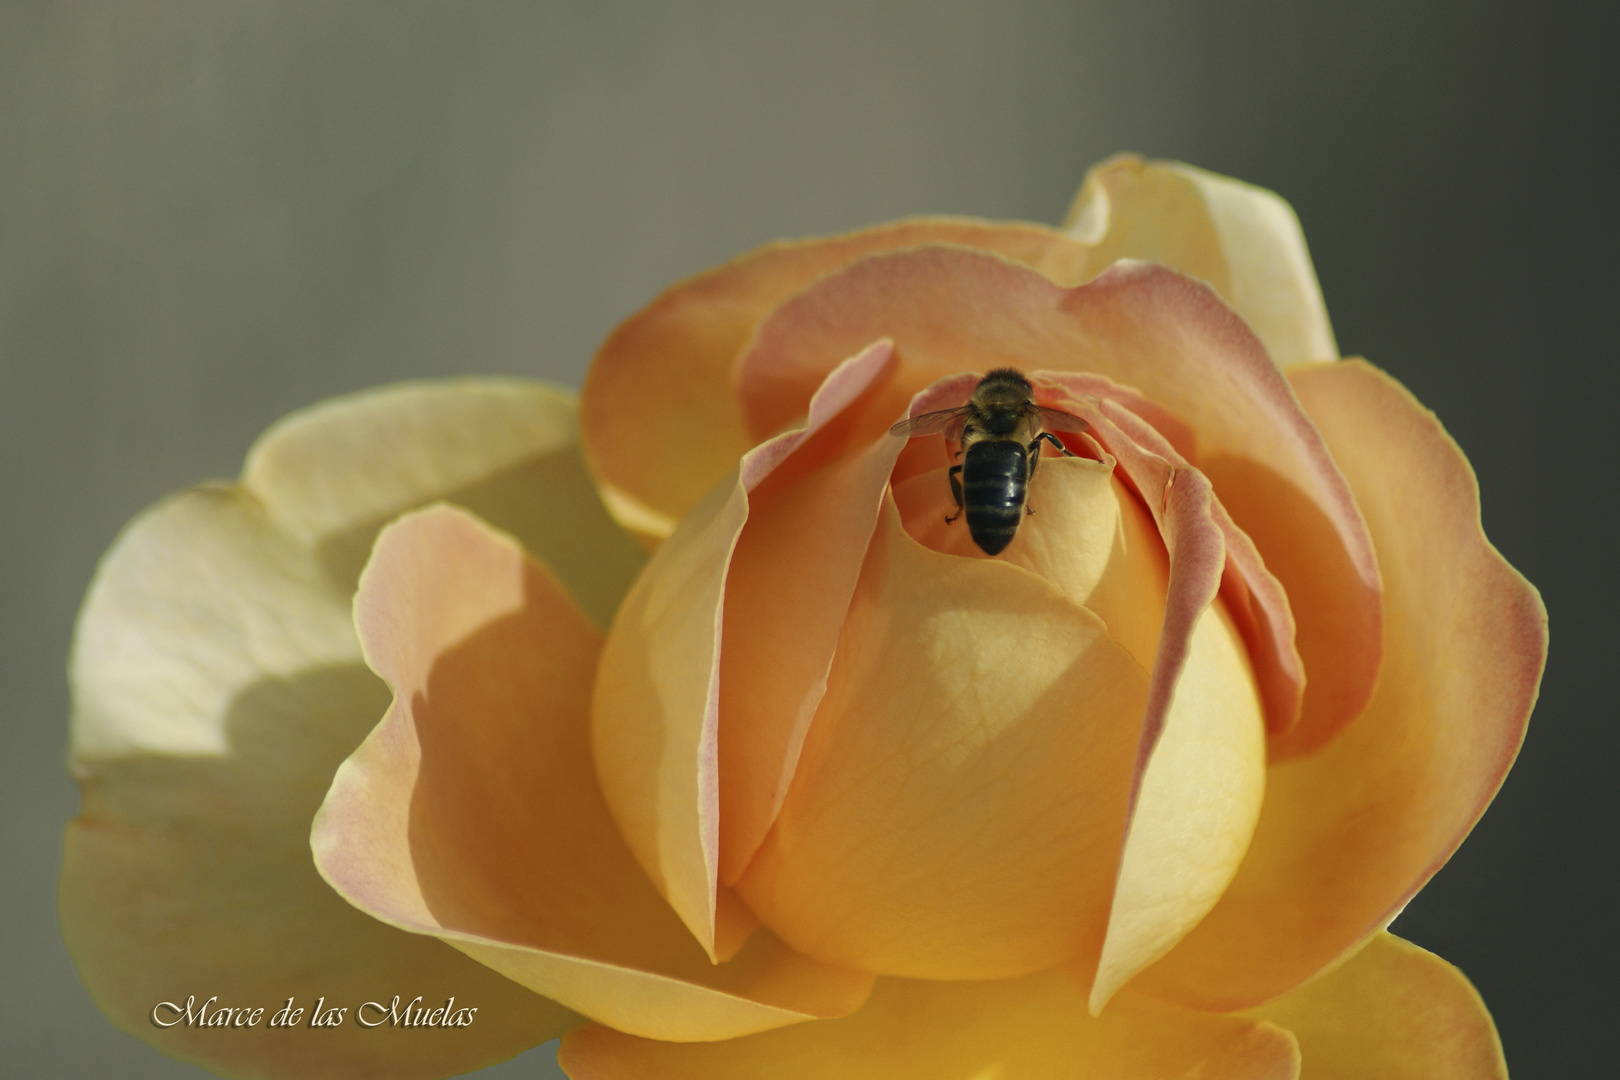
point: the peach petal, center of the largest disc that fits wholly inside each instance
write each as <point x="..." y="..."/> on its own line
<point x="661" y="420"/>
<point x="1034" y="1028"/>
<point x="961" y="797"/>
<point x="1242" y="239"/>
<point x="787" y="593"/>
<point x="1346" y="837"/>
<point x="656" y="708"/>
<point x="951" y="309"/>
<point x="217" y="685"/>
<point x="1393" y="1011"/>
<point x="471" y="813"/>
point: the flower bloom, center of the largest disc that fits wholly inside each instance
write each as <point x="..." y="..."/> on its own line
<point x="708" y="743"/>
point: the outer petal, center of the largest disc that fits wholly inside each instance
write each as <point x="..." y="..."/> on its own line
<point x="333" y="474"/>
<point x="1035" y="1028"/>
<point x="1142" y="326"/>
<point x="1392" y="1011"/>
<point x="656" y="710"/>
<point x="471" y="813"/>
<point x="1242" y="239"/>
<point x="217" y="685"/>
<point x="1348" y="836"/>
<point x="960" y="802"/>
<point x="662" y="425"/>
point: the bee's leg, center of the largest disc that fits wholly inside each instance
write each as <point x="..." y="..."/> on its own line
<point x="1034" y="458"/>
<point x="956" y="490"/>
<point x="1035" y="446"/>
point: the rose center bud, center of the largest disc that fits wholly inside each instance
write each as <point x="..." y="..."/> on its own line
<point x="960" y="807"/>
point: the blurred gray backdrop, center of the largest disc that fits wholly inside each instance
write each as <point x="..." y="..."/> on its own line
<point x="212" y="214"/>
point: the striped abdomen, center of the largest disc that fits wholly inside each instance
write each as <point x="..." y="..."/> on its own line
<point x="995" y="476"/>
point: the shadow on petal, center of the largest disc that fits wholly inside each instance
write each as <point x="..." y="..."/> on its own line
<point x="472" y="813"/>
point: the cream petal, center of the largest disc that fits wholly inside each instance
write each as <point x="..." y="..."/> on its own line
<point x="472" y="813"/>
<point x="1392" y="1011"/>
<point x="656" y="710"/>
<point x="1242" y="239"/>
<point x="507" y="450"/>
<point x="1034" y="1028"/>
<point x="1347" y="836"/>
<point x="218" y="684"/>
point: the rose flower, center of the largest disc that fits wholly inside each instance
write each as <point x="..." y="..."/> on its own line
<point x="719" y="747"/>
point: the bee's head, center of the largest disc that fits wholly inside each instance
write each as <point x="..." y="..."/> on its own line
<point x="1002" y="387"/>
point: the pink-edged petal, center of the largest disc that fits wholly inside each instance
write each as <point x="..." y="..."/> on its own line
<point x="787" y="593"/>
<point x="472" y="814"/>
<point x="1392" y="1011"/>
<point x="961" y="798"/>
<point x="1145" y="326"/>
<point x="218" y="684"/>
<point x="1346" y="837"/>
<point x="661" y="421"/>
<point x="656" y="710"/>
<point x="1034" y="1028"/>
<point x="1242" y="239"/>
<point x="1254" y="597"/>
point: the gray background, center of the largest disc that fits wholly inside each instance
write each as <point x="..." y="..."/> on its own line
<point x="212" y="214"/>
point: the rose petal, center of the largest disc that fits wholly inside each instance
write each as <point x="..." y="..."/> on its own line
<point x="1202" y="787"/>
<point x="217" y="685"/>
<point x="1139" y="325"/>
<point x="656" y="709"/>
<point x="960" y="801"/>
<point x="1392" y="1011"/>
<point x="787" y="592"/>
<point x="1348" y="836"/>
<point x="1254" y="597"/>
<point x="1198" y="804"/>
<point x="1034" y="1028"/>
<point x="471" y="813"/>
<point x="1244" y="240"/>
<point x="334" y="473"/>
<point x="662" y="424"/>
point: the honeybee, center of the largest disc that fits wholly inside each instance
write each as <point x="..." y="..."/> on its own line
<point x="999" y="434"/>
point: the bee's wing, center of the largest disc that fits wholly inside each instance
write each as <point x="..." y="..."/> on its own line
<point x="1058" y="420"/>
<point x="949" y="421"/>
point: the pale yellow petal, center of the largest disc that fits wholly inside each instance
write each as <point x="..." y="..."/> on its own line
<point x="1392" y="1011"/>
<point x="217" y="685"/>
<point x="333" y="474"/>
<point x="1242" y="239"/>
<point x="1034" y="1028"/>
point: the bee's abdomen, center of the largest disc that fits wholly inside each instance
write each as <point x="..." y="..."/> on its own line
<point x="993" y="486"/>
